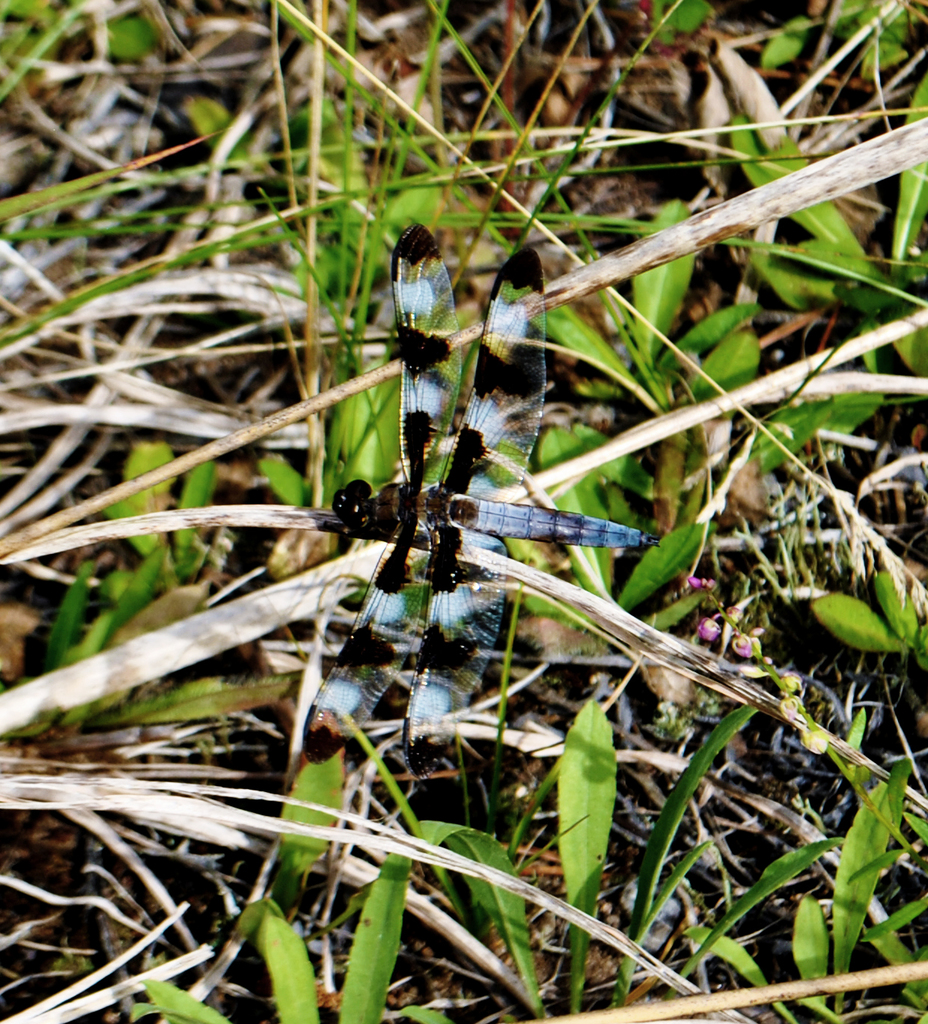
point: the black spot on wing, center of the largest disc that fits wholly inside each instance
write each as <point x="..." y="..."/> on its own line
<point x="323" y="738"/>
<point x="365" y="649"/>
<point x="417" y="433"/>
<point x="423" y="755"/>
<point x="469" y="449"/>
<point x="394" y="573"/>
<point x="447" y="571"/>
<point x="523" y="270"/>
<point x="438" y="652"/>
<point x="507" y="378"/>
<point x="420" y="351"/>
<point x="415" y="245"/>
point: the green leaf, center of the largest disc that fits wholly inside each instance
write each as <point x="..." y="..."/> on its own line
<point x="731" y="364"/>
<point x="566" y="327"/>
<point x="376" y="943"/>
<point x="179" y="1007"/>
<point x="905" y="915"/>
<point x="424" y="1016"/>
<point x="716" y="326"/>
<point x="774" y="877"/>
<point x="284" y="954"/>
<point x="855" y="623"/>
<point x="792" y="427"/>
<point x="285" y="482"/>
<point x="69" y="622"/>
<point x="586" y="798"/>
<point x="671" y="815"/>
<point x="903" y="621"/>
<point x="858" y="729"/>
<point x="658" y="294"/>
<point x="786" y="45"/>
<point x="319" y="784"/>
<point x="822" y="221"/>
<point x="145" y="456"/>
<point x="658" y="566"/>
<point x="810" y="939"/>
<point x="913" y="351"/>
<point x="799" y="287"/>
<point x="504" y="909"/>
<point x="866" y="840"/>
<point x="912" y="204"/>
<point x="132" y="38"/>
<point x="200" y="698"/>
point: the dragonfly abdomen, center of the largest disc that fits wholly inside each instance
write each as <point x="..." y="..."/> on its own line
<point x="527" y="522"/>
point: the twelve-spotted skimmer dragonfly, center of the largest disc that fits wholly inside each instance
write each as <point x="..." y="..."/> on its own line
<point x="453" y="503"/>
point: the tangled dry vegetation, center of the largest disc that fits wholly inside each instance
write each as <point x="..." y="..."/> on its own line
<point x="196" y="355"/>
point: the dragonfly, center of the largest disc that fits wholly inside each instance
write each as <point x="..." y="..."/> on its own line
<point x="453" y="504"/>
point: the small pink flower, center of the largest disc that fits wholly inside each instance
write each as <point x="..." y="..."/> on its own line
<point x="709" y="630"/>
<point x="742" y="646"/>
<point x="700" y="582"/>
<point x="815" y="740"/>
<point x="734" y="613"/>
<point x="759" y="631"/>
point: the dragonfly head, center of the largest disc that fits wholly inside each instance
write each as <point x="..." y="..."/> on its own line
<point x="352" y="504"/>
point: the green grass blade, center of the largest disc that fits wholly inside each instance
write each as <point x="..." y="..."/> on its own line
<point x="655" y="855"/>
<point x="178" y="1006"/>
<point x="69" y="622"/>
<point x="504" y="909"/>
<point x="376" y="942"/>
<point x="586" y="799"/>
<point x="775" y="876"/>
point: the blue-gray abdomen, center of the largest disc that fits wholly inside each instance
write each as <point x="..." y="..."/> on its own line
<point x="527" y="522"/>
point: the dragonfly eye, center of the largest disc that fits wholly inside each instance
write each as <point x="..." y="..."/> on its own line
<point x="351" y="504"/>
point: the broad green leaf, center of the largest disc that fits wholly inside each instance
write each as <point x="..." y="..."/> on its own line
<point x="716" y="326"/>
<point x="847" y="412"/>
<point x="792" y="428"/>
<point x="855" y="623"/>
<point x="284" y="954"/>
<point x="913" y="351"/>
<point x="658" y="294"/>
<point x="903" y="621"/>
<point x="376" y="943"/>
<point x="774" y="877"/>
<point x="566" y="327"/>
<point x="912" y="204"/>
<point x="858" y="729"/>
<point x="178" y="1006"/>
<point x="285" y="482"/>
<point x="319" y="784"/>
<point x="658" y="566"/>
<point x="786" y="45"/>
<point x="810" y="939"/>
<point x="69" y="622"/>
<point x="731" y="364"/>
<point x="145" y="456"/>
<point x="586" y="800"/>
<point x="504" y="909"/>
<point x="131" y="38"/>
<point x="799" y="287"/>
<point x="866" y="840"/>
